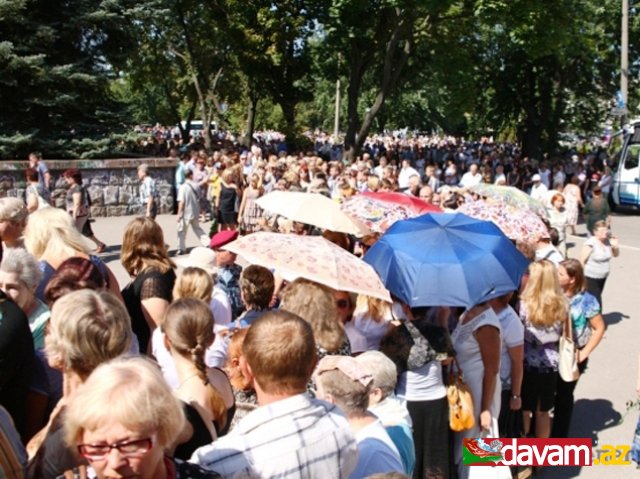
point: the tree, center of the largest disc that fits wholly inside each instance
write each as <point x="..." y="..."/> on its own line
<point x="543" y="61"/>
<point x="183" y="48"/>
<point x="378" y="49"/>
<point x="270" y="45"/>
<point x="56" y="61"/>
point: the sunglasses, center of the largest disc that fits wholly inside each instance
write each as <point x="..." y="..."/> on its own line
<point x="342" y="303"/>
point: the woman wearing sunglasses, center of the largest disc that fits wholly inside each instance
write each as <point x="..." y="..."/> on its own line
<point x="125" y="419"/>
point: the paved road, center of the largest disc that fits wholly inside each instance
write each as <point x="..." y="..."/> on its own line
<point x="610" y="379"/>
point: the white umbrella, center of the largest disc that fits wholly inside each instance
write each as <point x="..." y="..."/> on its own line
<point x="312" y="209"/>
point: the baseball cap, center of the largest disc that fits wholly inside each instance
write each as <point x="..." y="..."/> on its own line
<point x="223" y="238"/>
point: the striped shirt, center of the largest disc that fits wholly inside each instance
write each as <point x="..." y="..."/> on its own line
<point x="297" y="437"/>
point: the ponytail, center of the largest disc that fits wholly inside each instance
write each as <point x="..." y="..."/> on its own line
<point x="197" y="358"/>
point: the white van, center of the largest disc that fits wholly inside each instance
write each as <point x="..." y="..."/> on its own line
<point x="624" y="155"/>
<point x="197" y="126"/>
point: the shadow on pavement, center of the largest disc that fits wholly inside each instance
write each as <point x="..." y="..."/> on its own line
<point x="614" y="318"/>
<point x="111" y="253"/>
<point x="590" y="417"/>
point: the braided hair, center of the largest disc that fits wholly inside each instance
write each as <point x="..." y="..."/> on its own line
<point x="188" y="324"/>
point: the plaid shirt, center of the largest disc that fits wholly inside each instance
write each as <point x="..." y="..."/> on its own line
<point x="148" y="189"/>
<point x="298" y="437"/>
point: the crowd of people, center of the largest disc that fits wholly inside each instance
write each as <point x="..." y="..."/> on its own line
<point x="201" y="368"/>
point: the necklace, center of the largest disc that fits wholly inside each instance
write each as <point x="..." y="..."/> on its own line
<point x="190" y="377"/>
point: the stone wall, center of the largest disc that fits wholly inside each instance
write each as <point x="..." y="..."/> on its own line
<point x="112" y="184"/>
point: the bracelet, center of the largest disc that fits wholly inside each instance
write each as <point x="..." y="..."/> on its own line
<point x="514" y="396"/>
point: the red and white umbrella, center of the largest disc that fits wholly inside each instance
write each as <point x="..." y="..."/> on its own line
<point x="378" y="211"/>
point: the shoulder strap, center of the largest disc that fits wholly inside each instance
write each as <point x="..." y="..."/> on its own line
<point x="566" y="328"/>
<point x="548" y="255"/>
<point x="193" y="189"/>
<point x="87" y="197"/>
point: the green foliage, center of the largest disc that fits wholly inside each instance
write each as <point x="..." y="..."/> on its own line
<point x="56" y="60"/>
<point x="75" y="73"/>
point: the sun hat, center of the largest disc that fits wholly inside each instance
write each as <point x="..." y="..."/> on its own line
<point x="200" y="257"/>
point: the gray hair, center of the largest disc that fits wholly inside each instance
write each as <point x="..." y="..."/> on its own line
<point x="13" y="209"/>
<point x="23" y="264"/>
<point x="143" y="167"/>
<point x="383" y="370"/>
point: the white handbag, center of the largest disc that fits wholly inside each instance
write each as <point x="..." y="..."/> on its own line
<point x="568" y="364"/>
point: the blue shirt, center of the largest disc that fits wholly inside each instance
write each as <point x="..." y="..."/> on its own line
<point x="229" y="282"/>
<point x="582" y="307"/>
<point x="180" y="174"/>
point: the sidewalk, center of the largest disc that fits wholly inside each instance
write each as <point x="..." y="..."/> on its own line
<point x="111" y="230"/>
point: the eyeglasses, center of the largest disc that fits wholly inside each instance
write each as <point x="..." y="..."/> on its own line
<point x="342" y="303"/>
<point x="135" y="448"/>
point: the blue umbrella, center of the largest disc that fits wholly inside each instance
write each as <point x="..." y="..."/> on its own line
<point x="442" y="259"/>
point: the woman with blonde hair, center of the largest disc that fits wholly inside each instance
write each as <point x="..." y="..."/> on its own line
<point x="315" y="304"/>
<point x="52" y="238"/>
<point x="372" y="318"/>
<point x="148" y="295"/>
<point x="86" y="329"/>
<point x="250" y="212"/>
<point x="13" y="219"/>
<point x="188" y="332"/>
<point x="125" y="405"/>
<point x="543" y="310"/>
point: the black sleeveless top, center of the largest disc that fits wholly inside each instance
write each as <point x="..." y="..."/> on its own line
<point x="227" y="199"/>
<point x="200" y="437"/>
<point x="150" y="283"/>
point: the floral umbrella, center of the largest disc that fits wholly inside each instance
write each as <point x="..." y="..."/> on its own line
<point x="510" y="195"/>
<point x="378" y="211"/>
<point x="519" y="224"/>
<point x="310" y="257"/>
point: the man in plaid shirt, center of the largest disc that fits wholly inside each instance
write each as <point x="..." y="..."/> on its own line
<point x="290" y="435"/>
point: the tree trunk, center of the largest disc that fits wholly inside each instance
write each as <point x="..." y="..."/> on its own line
<point x="289" y="113"/>
<point x="251" y="120"/>
<point x="395" y="58"/>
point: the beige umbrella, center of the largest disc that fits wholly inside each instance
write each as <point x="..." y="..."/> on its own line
<point x="312" y="209"/>
<point x="310" y="257"/>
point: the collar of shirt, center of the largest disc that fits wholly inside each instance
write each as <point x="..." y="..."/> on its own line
<point x="275" y="410"/>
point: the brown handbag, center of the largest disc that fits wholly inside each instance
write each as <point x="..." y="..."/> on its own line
<point x="461" y="414"/>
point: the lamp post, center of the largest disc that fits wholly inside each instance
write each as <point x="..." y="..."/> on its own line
<point x="624" y="60"/>
<point x="336" y="118"/>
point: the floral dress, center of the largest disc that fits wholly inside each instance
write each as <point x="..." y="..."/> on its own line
<point x="571" y="195"/>
<point x="252" y="212"/>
